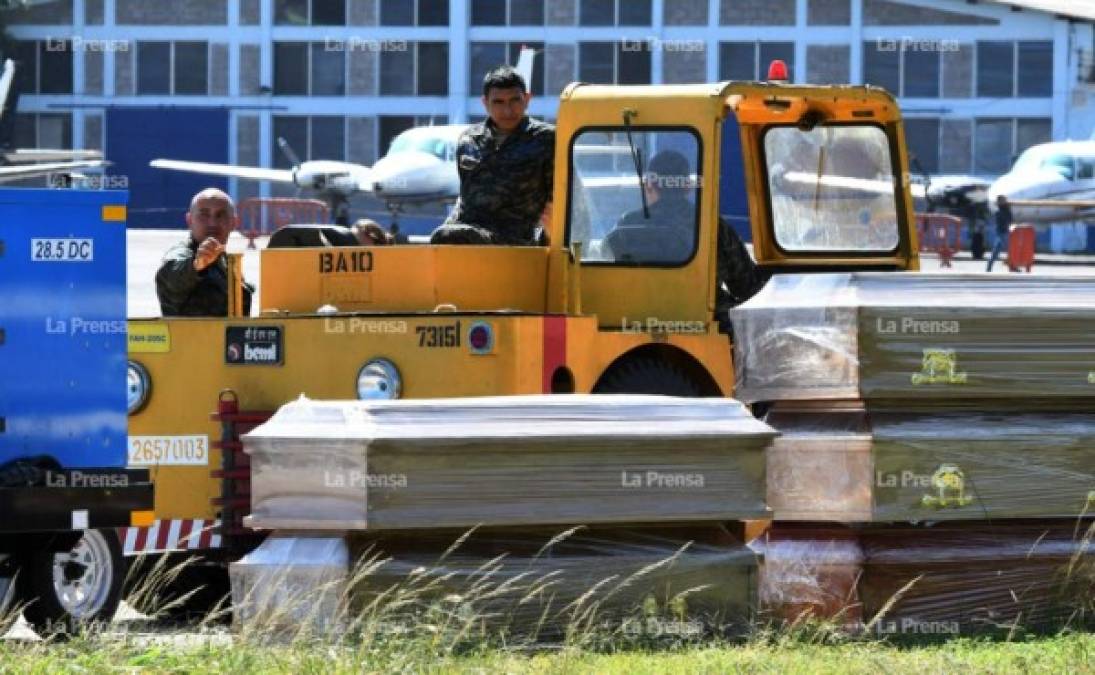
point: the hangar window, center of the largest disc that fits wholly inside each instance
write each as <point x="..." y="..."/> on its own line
<point x="310" y="12"/>
<point x="308" y="69"/>
<point x="45" y="66"/>
<point x="995" y="69"/>
<point x="922" y="137"/>
<point x="620" y="62"/>
<point x="414" y="12"/>
<point x="614" y="12"/>
<point x="486" y="55"/>
<point x="43" y="130"/>
<point x="311" y="137"/>
<point x="749" y="60"/>
<point x="165" y="68"/>
<point x="903" y="67"/>
<point x="421" y="69"/>
<point x="507" y="12"/>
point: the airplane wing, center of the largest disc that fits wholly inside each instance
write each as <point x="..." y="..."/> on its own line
<point x="227" y="170"/>
<point x="1055" y="203"/>
<point x="31" y="156"/>
<point x="10" y="173"/>
<point x="844" y="182"/>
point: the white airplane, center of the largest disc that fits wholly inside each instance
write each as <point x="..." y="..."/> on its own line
<point x="420" y="166"/>
<point x="1051" y="182"/>
<point x="20" y="163"/>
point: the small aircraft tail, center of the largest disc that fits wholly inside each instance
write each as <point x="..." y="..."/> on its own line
<point x="9" y="99"/>
<point x="524" y="65"/>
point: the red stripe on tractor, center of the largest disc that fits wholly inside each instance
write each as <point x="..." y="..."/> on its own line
<point x="555" y="347"/>
<point x="141" y="540"/>
<point x="184" y="534"/>
<point x="165" y="532"/>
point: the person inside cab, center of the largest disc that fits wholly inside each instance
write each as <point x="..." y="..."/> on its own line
<point x="665" y="232"/>
<point x="506" y="166"/>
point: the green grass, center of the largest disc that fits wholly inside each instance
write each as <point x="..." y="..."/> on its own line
<point x="1066" y="653"/>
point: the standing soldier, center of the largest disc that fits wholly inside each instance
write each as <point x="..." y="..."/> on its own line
<point x="193" y="278"/>
<point x="506" y="167"/>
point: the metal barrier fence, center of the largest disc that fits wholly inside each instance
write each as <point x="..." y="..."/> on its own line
<point x="940" y="233"/>
<point x="263" y="216"/>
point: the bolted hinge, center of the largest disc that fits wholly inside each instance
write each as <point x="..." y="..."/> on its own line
<point x="3" y="336"/>
<point x="3" y="425"/>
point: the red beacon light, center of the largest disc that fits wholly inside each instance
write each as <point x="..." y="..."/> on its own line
<point x="777" y="71"/>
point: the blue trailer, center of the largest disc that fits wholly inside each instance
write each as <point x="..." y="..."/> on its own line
<point x="64" y="485"/>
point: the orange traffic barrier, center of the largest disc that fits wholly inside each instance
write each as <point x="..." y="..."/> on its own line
<point x="1021" y="247"/>
<point x="260" y="216"/>
<point x="940" y="233"/>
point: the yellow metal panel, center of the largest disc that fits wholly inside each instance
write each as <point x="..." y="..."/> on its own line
<point x="142" y="518"/>
<point x="405" y="278"/>
<point x="149" y="338"/>
<point x="322" y="356"/>
<point x="114" y="213"/>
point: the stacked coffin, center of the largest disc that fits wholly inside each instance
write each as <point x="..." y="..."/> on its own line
<point x="907" y="397"/>
<point x="506" y="461"/>
<point x="916" y="398"/>
<point x="403" y="479"/>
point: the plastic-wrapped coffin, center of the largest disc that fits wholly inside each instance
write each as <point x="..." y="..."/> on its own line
<point x="847" y="463"/>
<point x="942" y="581"/>
<point x="916" y="337"/>
<point x="530" y="584"/>
<point x="506" y="461"/>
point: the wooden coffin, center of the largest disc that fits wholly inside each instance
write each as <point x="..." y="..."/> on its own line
<point x="854" y="463"/>
<point x="506" y="461"/>
<point x="913" y="336"/>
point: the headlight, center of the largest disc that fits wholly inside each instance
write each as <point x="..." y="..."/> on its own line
<point x="138" y="386"/>
<point x="379" y="380"/>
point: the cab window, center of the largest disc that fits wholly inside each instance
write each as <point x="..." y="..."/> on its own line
<point x="832" y="188"/>
<point x="607" y="190"/>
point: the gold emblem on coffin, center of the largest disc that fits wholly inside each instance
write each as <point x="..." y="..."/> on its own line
<point x="949" y="483"/>
<point x="940" y="366"/>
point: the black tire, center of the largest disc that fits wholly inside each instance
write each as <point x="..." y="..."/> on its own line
<point x="200" y="590"/>
<point x="81" y="588"/>
<point x="645" y="375"/>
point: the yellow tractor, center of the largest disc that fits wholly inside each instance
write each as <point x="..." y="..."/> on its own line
<point x="814" y="176"/>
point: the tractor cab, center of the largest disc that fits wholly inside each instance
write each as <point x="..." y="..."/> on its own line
<point x="645" y="177"/>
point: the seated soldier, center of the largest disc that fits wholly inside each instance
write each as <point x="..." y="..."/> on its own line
<point x="506" y="167"/>
<point x="668" y="185"/>
<point x="364" y="232"/>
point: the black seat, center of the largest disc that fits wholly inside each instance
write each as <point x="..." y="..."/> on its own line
<point x="312" y="236"/>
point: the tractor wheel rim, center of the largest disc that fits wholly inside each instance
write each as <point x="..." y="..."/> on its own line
<point x="82" y="576"/>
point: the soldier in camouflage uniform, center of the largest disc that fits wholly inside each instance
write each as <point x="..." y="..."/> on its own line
<point x="667" y="185"/>
<point x="193" y="278"/>
<point x="506" y="167"/>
